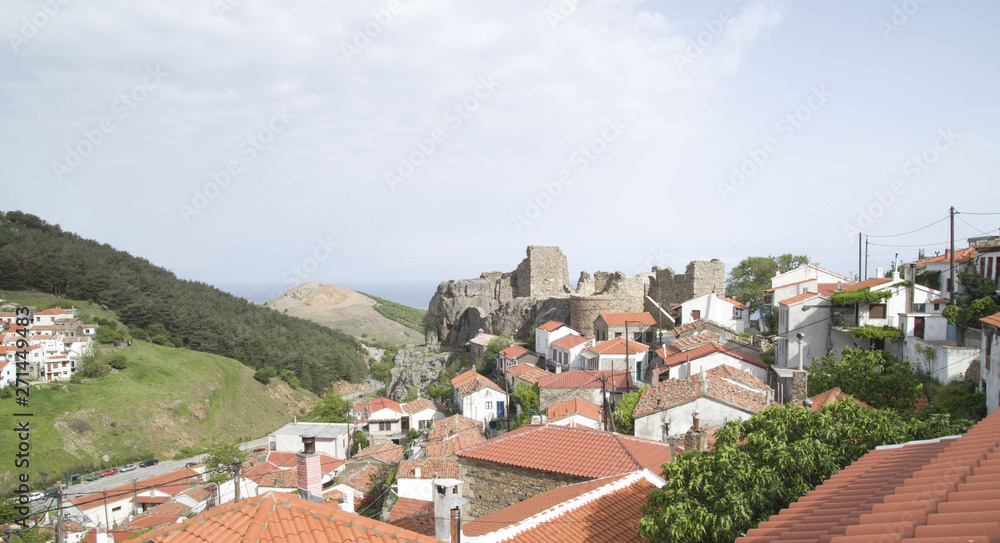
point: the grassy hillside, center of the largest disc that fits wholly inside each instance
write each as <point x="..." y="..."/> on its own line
<point x="165" y="401"/>
<point x="410" y="317"/>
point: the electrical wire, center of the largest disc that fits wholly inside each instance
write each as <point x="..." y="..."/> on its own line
<point x="911" y="231"/>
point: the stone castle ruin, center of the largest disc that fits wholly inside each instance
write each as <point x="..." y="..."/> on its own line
<point x="539" y="290"/>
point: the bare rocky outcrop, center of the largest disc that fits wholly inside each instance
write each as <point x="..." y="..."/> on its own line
<point x="418" y="367"/>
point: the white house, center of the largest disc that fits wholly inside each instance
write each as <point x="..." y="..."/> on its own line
<point x="640" y="326"/>
<point x="422" y="412"/>
<point x="567" y="353"/>
<point x="548" y="333"/>
<point x="514" y="355"/>
<point x="478" y="397"/>
<point x="385" y="419"/>
<point x="610" y="355"/>
<point x="705" y="357"/>
<point x="49" y="316"/>
<point x="8" y="373"/>
<point x="575" y="411"/>
<point x="331" y="437"/>
<point x="478" y="344"/>
<point x="718" y="395"/>
<point x="941" y="265"/>
<point x="808" y="272"/>
<point x="413" y="478"/>
<point x="725" y="311"/>
<point x="991" y="361"/>
<point x="804" y="323"/>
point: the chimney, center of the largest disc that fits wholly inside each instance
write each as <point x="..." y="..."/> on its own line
<point x="920" y="254"/>
<point x="696" y="423"/>
<point x="416" y="472"/>
<point x="696" y="439"/>
<point x="447" y="496"/>
<point x="704" y="383"/>
<point x="348" y="504"/>
<point x="310" y="473"/>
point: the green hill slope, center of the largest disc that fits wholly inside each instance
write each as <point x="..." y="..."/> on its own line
<point x="38" y="256"/>
<point x="166" y="400"/>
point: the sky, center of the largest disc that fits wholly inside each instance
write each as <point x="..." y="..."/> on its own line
<point x="247" y="142"/>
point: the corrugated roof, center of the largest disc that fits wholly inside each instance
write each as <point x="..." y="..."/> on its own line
<point x="619" y="319"/>
<point x="285" y="518"/>
<point x="595" y="453"/>
<point x="602" y="510"/>
<point x="946" y="489"/>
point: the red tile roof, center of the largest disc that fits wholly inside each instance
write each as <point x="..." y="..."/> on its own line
<point x="723" y="383"/>
<point x="826" y="289"/>
<point x="388" y="452"/>
<point x="421" y="523"/>
<point x="696" y="340"/>
<point x="798" y="298"/>
<point x="736" y="304"/>
<point x="595" y="453"/>
<point x="405" y="507"/>
<point x="617" y="346"/>
<point x="573" y="406"/>
<point x="450" y="435"/>
<point x="54" y="311"/>
<point x="383" y="403"/>
<point x="482" y="339"/>
<point x="868" y="283"/>
<point x="707" y="349"/>
<point x="602" y="510"/>
<point x="992" y="320"/>
<point x="276" y="517"/>
<point x="551" y="326"/>
<point x="700" y="324"/>
<point x="833" y="395"/>
<point x="570" y="341"/>
<point x="288" y="460"/>
<point x="772" y="289"/>
<point x="961" y="255"/>
<point x="446" y="468"/>
<point x="514" y="351"/>
<point x="166" y="513"/>
<point x="360" y="478"/>
<point x="470" y="382"/>
<point x="666" y="351"/>
<point x="938" y="490"/>
<point x="420" y="404"/>
<point x="269" y="475"/>
<point x="586" y="378"/>
<point x="528" y="372"/>
<point x="618" y="319"/>
<point x="452" y="425"/>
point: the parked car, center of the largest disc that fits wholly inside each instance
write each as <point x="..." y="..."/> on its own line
<point x="128" y="467"/>
<point x="190" y="464"/>
<point x="109" y="471"/>
<point x="51" y="492"/>
<point x="260" y="449"/>
<point x="92" y="476"/>
<point x="147" y="463"/>
<point x="35" y="496"/>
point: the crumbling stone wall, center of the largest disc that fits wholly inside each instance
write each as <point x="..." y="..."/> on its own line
<point x="490" y="486"/>
<point x="699" y="278"/>
<point x="543" y="273"/>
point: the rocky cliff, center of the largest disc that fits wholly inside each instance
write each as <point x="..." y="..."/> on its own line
<point x="418" y="367"/>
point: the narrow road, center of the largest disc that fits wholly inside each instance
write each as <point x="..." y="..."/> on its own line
<point x="375" y="386"/>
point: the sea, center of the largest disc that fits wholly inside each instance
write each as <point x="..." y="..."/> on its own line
<point x="416" y="294"/>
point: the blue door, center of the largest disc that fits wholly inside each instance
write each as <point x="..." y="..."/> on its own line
<point x="499" y="409"/>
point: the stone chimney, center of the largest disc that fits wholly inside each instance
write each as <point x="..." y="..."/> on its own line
<point x="447" y="496"/>
<point x="309" y="471"/>
<point x="920" y="254"/>
<point x="704" y="383"/>
<point x="696" y="439"/>
<point x="800" y="381"/>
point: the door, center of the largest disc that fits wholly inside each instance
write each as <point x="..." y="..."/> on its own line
<point x="500" y="409"/>
<point x="918" y="327"/>
<point x="406" y="424"/>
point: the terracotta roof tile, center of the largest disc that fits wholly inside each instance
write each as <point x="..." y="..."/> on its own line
<point x="618" y="319"/>
<point x="700" y="324"/>
<point x="570" y="341"/>
<point x="421" y="523"/>
<point x="723" y="383"/>
<point x="573" y="406"/>
<point x="421" y="404"/>
<point x="690" y="342"/>
<point x="551" y="326"/>
<point x="677" y="359"/>
<point x="596" y="453"/>
<point x="388" y="452"/>
<point x="617" y="346"/>
<point x="586" y="378"/>
<point x="277" y="517"/>
<point x="738" y="305"/>
<point x="868" y="283"/>
<point x="833" y="395"/>
<point x="992" y="320"/>
<point x="606" y="509"/>
<point x="405" y="507"/>
<point x="360" y="478"/>
<point x="946" y="489"/>
<point x="514" y="351"/>
<point x="450" y="435"/>
<point x="483" y="339"/>
<point x="470" y="382"/>
<point x="383" y="403"/>
<point x="798" y="298"/>
<point x="961" y="255"/>
<point x="528" y="372"/>
<point x="446" y="468"/>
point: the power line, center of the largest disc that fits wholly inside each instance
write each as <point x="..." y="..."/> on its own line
<point x="973" y="227"/>
<point x="971" y="213"/>
<point x="911" y="231"/>
<point x="911" y="245"/>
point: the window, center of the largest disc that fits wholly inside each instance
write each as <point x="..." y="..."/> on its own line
<point x="116" y="509"/>
<point x="637" y="336"/>
<point x="876" y="311"/>
<point x="649" y="336"/>
<point x="424" y="424"/>
<point x="385" y="426"/>
<point x="489" y="405"/>
<point x="695" y="315"/>
<point x="618" y="334"/>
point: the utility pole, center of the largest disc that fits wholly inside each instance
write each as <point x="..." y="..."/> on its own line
<point x="866" y="258"/>
<point x="951" y="264"/>
<point x="627" y="389"/>
<point x="236" y="479"/>
<point x="59" y="514"/>
<point x="604" y="399"/>
<point x="859" y="256"/>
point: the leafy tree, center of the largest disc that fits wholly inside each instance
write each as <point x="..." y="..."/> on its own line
<point x="92" y="367"/>
<point x="360" y="442"/>
<point x="265" y="374"/>
<point x="412" y="393"/>
<point x="371" y="505"/>
<point x="289" y="377"/>
<point x="752" y="276"/>
<point x="443" y="391"/>
<point x="872" y="376"/>
<point x="108" y="335"/>
<point x="9" y="509"/>
<point x="771" y="319"/>
<point x="382" y="371"/>
<point x="223" y="455"/>
<point x="118" y="360"/>
<point x="927" y="278"/>
<point x="958" y="399"/>
<point x="622" y="414"/>
<point x="765" y="463"/>
<point x="498" y="344"/>
<point x="962" y="317"/>
<point x="413" y="434"/>
<point x="332" y="408"/>
<point x="976" y="298"/>
<point x="138" y="333"/>
<point x="525" y="397"/>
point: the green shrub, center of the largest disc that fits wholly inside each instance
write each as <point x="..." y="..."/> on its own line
<point x="118" y="360"/>
<point x="265" y="374"/>
<point x="288" y="376"/>
<point x="106" y="334"/>
<point x="138" y="333"/>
